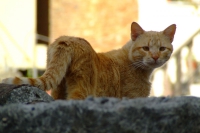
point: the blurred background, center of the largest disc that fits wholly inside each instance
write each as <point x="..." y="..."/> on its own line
<point x="27" y="27"/>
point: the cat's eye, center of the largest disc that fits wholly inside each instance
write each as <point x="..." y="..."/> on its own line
<point x="162" y="48"/>
<point x="145" y="48"/>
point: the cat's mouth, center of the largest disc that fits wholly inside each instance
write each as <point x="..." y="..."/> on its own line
<point x="153" y="64"/>
<point x="147" y="63"/>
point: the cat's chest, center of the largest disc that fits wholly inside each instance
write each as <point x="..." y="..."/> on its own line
<point x="108" y="73"/>
<point x="108" y="80"/>
<point x="133" y="77"/>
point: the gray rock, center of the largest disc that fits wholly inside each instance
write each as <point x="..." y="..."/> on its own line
<point x="22" y="94"/>
<point x="104" y="115"/>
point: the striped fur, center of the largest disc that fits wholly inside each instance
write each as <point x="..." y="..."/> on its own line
<point x="75" y="71"/>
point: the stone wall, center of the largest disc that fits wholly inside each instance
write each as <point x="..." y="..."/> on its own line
<point x="26" y="109"/>
<point x="104" y="23"/>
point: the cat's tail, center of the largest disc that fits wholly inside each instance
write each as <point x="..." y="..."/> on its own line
<point x="58" y="61"/>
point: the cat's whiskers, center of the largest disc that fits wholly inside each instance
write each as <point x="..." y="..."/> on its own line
<point x="137" y="64"/>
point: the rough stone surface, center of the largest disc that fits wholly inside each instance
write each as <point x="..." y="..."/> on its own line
<point x="104" y="115"/>
<point x="22" y="94"/>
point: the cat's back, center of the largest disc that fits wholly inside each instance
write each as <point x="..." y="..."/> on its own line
<point x="75" y="43"/>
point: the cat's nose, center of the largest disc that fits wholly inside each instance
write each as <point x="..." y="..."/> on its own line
<point x="155" y="58"/>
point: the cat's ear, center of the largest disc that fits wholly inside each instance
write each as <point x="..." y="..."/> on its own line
<point x="136" y="30"/>
<point x="170" y="31"/>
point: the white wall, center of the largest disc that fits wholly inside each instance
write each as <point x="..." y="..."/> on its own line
<point x="17" y="33"/>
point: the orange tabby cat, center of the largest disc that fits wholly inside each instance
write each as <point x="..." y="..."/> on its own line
<point x="75" y="70"/>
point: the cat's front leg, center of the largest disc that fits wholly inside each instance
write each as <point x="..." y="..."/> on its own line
<point x="77" y="94"/>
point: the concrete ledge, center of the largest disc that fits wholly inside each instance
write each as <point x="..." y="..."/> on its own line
<point x="103" y="115"/>
<point x="22" y="94"/>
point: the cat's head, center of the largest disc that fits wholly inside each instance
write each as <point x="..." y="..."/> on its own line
<point x="150" y="49"/>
